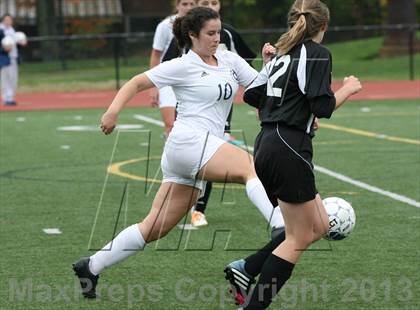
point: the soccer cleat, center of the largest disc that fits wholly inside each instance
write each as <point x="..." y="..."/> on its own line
<point x="88" y="280"/>
<point x="198" y="219"/>
<point x="240" y="281"/>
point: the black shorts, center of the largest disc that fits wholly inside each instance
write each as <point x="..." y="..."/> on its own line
<point x="285" y="173"/>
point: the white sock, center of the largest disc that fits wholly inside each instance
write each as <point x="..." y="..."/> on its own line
<point x="256" y="193"/>
<point x="127" y="243"/>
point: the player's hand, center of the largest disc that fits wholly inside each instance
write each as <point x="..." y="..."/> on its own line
<point x="154" y="97"/>
<point x="352" y="84"/>
<point x="316" y="124"/>
<point x="108" y="122"/>
<point x="268" y="51"/>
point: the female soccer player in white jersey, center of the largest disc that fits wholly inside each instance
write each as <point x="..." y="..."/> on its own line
<point x="205" y="81"/>
<point x="165" y="97"/>
<point x="232" y="41"/>
<point x="290" y="92"/>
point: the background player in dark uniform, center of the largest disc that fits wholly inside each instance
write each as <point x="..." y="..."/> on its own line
<point x="290" y="92"/>
<point x="232" y="41"/>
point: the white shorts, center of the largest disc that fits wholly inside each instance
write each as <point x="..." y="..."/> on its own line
<point x="186" y="152"/>
<point x="167" y="97"/>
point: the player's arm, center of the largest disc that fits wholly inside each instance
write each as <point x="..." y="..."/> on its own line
<point x="155" y="58"/>
<point x="125" y="94"/>
<point x="351" y="86"/>
<point x="159" y="41"/>
<point x="255" y="93"/>
<point x="323" y="101"/>
<point x="154" y="61"/>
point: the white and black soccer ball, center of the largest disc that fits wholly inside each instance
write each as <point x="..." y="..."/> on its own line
<point x="342" y="218"/>
<point x="21" y="38"/>
<point x="8" y="42"/>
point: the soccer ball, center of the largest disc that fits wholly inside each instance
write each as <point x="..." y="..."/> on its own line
<point x="8" y="42"/>
<point x="20" y="38"/>
<point x="342" y="218"/>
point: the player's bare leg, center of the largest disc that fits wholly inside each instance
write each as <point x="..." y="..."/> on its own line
<point x="171" y="203"/>
<point x="305" y="223"/>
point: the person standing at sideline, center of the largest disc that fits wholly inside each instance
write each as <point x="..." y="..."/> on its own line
<point x="165" y="97"/>
<point x="205" y="82"/>
<point x="8" y="63"/>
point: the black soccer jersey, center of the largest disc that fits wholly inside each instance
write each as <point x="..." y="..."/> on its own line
<point x="229" y="39"/>
<point x="295" y="88"/>
<point x="234" y="43"/>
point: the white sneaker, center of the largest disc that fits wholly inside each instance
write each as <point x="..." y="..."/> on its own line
<point x="198" y="219"/>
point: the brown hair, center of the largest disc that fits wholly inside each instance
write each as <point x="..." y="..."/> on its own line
<point x="192" y="22"/>
<point x="305" y="19"/>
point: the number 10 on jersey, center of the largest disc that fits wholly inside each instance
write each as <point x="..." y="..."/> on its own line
<point x="225" y="92"/>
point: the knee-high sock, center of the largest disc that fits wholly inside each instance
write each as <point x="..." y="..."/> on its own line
<point x="127" y="243"/>
<point x="258" y="196"/>
<point x="275" y="272"/>
<point x="255" y="262"/>
<point x="202" y="202"/>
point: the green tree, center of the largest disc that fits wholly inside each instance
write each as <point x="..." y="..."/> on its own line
<point x="46" y="26"/>
<point x="397" y="42"/>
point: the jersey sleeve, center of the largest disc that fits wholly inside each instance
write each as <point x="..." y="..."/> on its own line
<point x="161" y="37"/>
<point x="318" y="83"/>
<point x="168" y="73"/>
<point x="245" y="73"/>
<point x="255" y="92"/>
<point x="318" y="74"/>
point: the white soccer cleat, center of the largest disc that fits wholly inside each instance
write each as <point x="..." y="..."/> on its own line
<point x="198" y="219"/>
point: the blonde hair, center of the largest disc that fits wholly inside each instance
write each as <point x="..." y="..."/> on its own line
<point x="305" y="19"/>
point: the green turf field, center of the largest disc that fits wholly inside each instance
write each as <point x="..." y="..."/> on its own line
<point x="55" y="179"/>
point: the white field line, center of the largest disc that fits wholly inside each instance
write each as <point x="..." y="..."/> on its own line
<point x="323" y="170"/>
<point x="149" y="120"/>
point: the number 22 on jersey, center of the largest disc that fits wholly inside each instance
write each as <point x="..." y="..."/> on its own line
<point x="284" y="62"/>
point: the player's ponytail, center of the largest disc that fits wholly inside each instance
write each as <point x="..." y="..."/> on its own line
<point x="191" y="24"/>
<point x="305" y="19"/>
<point x="178" y="33"/>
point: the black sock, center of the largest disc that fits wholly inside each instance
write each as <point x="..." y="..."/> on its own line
<point x="202" y="202"/>
<point x="255" y="262"/>
<point x="275" y="272"/>
<point x="228" y="121"/>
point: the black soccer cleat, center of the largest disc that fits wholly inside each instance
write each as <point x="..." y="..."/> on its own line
<point x="239" y="280"/>
<point x="88" y="280"/>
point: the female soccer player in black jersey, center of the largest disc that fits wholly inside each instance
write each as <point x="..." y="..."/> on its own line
<point x="290" y="92"/>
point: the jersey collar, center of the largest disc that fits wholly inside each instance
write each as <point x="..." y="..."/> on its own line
<point x="194" y="56"/>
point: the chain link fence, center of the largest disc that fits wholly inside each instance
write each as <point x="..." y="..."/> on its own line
<point x="113" y="58"/>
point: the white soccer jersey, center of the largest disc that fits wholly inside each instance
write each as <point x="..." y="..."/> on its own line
<point x="164" y="35"/>
<point x="204" y="93"/>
